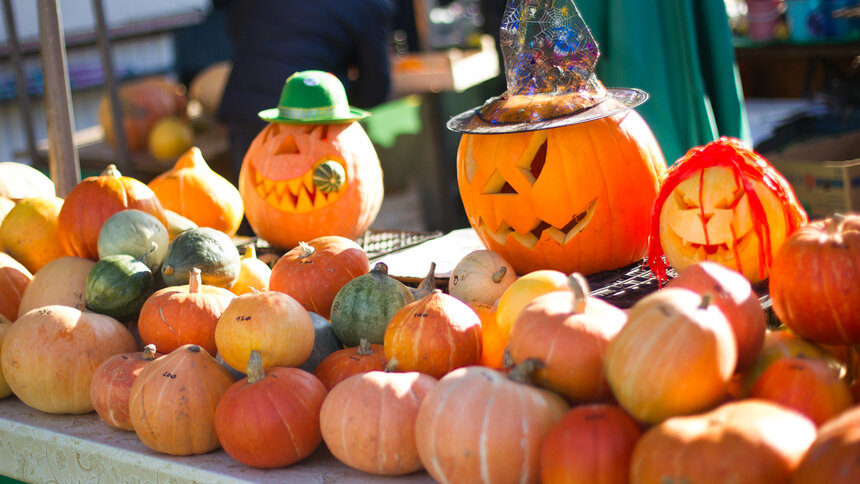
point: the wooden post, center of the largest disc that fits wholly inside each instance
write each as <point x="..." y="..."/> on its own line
<point x="20" y="81"/>
<point x="63" y="156"/>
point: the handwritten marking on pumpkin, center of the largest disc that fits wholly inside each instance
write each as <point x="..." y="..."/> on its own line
<point x="43" y="312"/>
<point x="167" y="374"/>
<point x="243" y="318"/>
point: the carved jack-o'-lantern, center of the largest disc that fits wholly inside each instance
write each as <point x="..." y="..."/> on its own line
<point x="724" y="203"/>
<point x="573" y="198"/>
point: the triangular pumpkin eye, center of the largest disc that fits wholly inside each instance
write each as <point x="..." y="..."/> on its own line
<point x="287" y="147"/>
<point x="538" y="162"/>
<point x="497" y="185"/>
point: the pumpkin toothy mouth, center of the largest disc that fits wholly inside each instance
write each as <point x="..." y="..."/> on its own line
<point x="561" y="235"/>
<point x="296" y="195"/>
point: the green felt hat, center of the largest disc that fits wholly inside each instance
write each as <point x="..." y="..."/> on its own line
<point x="313" y="97"/>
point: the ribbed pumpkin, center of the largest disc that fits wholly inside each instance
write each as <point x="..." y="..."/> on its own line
<point x="834" y="457"/>
<point x="733" y="294"/>
<point x="272" y="323"/>
<point x="61" y="282"/>
<point x="591" y="443"/>
<point x="29" y="232"/>
<point x="481" y="276"/>
<point x="434" y="335"/>
<point x="807" y="385"/>
<point x="368" y="421"/>
<point x="50" y="354"/>
<point x="5" y="326"/>
<point x="21" y="181"/>
<point x="479" y="425"/>
<point x="674" y="356"/>
<point x="199" y="194"/>
<point x="254" y="274"/>
<point x="135" y="233"/>
<point x="530" y="204"/>
<point x="314" y="271"/>
<point x="568" y="331"/>
<point x="14" y="279"/>
<point x="181" y="315"/>
<point x="111" y="385"/>
<point x="92" y="201"/>
<point x="347" y="362"/>
<point x="364" y="306"/>
<point x="207" y="249"/>
<point x="325" y="342"/>
<point x="172" y="402"/>
<point x="272" y="417"/>
<point x="523" y="291"/>
<point x="493" y="340"/>
<point x="289" y="194"/>
<point x="745" y="442"/>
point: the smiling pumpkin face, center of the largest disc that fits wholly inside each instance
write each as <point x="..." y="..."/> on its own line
<point x="575" y="198"/>
<point x="300" y="182"/>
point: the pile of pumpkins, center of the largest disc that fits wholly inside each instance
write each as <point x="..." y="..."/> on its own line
<point x="150" y="317"/>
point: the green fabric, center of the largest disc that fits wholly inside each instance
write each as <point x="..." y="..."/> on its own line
<point x="680" y="52"/>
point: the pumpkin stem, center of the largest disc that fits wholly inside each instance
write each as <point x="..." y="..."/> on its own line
<point x="194" y="349"/>
<point x="148" y="352"/>
<point x="306" y="251"/>
<point x="111" y="170"/>
<point x="153" y="246"/>
<point x="706" y="300"/>
<point x="499" y="274"/>
<point x="391" y="366"/>
<point x="167" y="270"/>
<point x="507" y="359"/>
<point x="522" y="373"/>
<point x="579" y="286"/>
<point x="428" y="284"/>
<point x="193" y="158"/>
<point x="250" y="252"/>
<point x="379" y="271"/>
<point x="255" y="367"/>
<point x="832" y="230"/>
<point x="194" y="281"/>
<point x="364" y="347"/>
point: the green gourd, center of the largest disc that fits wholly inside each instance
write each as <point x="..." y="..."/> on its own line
<point x="135" y="233"/>
<point x="117" y="286"/>
<point x="210" y="250"/>
<point x="364" y="306"/>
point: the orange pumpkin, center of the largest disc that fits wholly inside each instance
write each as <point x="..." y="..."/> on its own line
<point x="29" y="233"/>
<point x="674" y="356"/>
<point x="560" y="324"/>
<point x="479" y="425"/>
<point x="493" y="340"/>
<point x="272" y="417"/>
<point x="745" y="442"/>
<point x="300" y="182"/>
<point x="314" y="271"/>
<point x="368" y="421"/>
<point x="142" y="103"/>
<point x="254" y="274"/>
<point x="199" y="194"/>
<point x="434" y="335"/>
<point x="574" y="198"/>
<point x="834" y="457"/>
<point x="591" y="443"/>
<point x="724" y="203"/>
<point x="347" y="362"/>
<point x="523" y="291"/>
<point x="14" y="279"/>
<point x="111" y="385"/>
<point x="181" y="315"/>
<point x="807" y="385"/>
<point x="50" y="354"/>
<point x="5" y="326"/>
<point x="61" y="282"/>
<point x="173" y="400"/>
<point x="93" y="201"/>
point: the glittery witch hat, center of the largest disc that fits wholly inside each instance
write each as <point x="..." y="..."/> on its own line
<point x="550" y="57"/>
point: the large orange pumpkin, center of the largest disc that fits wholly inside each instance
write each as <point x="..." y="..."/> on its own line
<point x="199" y="194"/>
<point x="724" y="203"/>
<point x="575" y="198"/>
<point x="300" y="182"/>
<point x="92" y="201"/>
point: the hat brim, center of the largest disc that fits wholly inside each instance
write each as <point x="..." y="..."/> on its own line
<point x="617" y="101"/>
<point x="273" y="115"/>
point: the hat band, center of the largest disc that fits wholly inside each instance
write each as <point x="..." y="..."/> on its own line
<point x="311" y="113"/>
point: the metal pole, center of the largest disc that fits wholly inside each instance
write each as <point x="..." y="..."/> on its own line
<point x="122" y="158"/>
<point x="20" y="81"/>
<point x="63" y="156"/>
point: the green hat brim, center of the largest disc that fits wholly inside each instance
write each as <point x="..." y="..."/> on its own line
<point x="272" y="115"/>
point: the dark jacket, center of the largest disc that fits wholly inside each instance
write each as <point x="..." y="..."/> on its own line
<point x="275" y="38"/>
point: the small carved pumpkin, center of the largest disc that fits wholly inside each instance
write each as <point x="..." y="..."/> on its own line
<point x="574" y="198"/>
<point x="293" y="191"/>
<point x="724" y="203"/>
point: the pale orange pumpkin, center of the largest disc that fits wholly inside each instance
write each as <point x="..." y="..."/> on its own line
<point x="574" y="198"/>
<point x="254" y="274"/>
<point x="173" y="400"/>
<point x="5" y="326"/>
<point x="92" y="201"/>
<point x="192" y="190"/>
<point x="61" y="282"/>
<point x="724" y="203"/>
<point x="481" y="276"/>
<point x="300" y="182"/>
<point x="834" y="457"/>
<point x="29" y="233"/>
<point x="111" y="385"/>
<point x="674" y="356"/>
<point x="21" y="181"/>
<point x="368" y="421"/>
